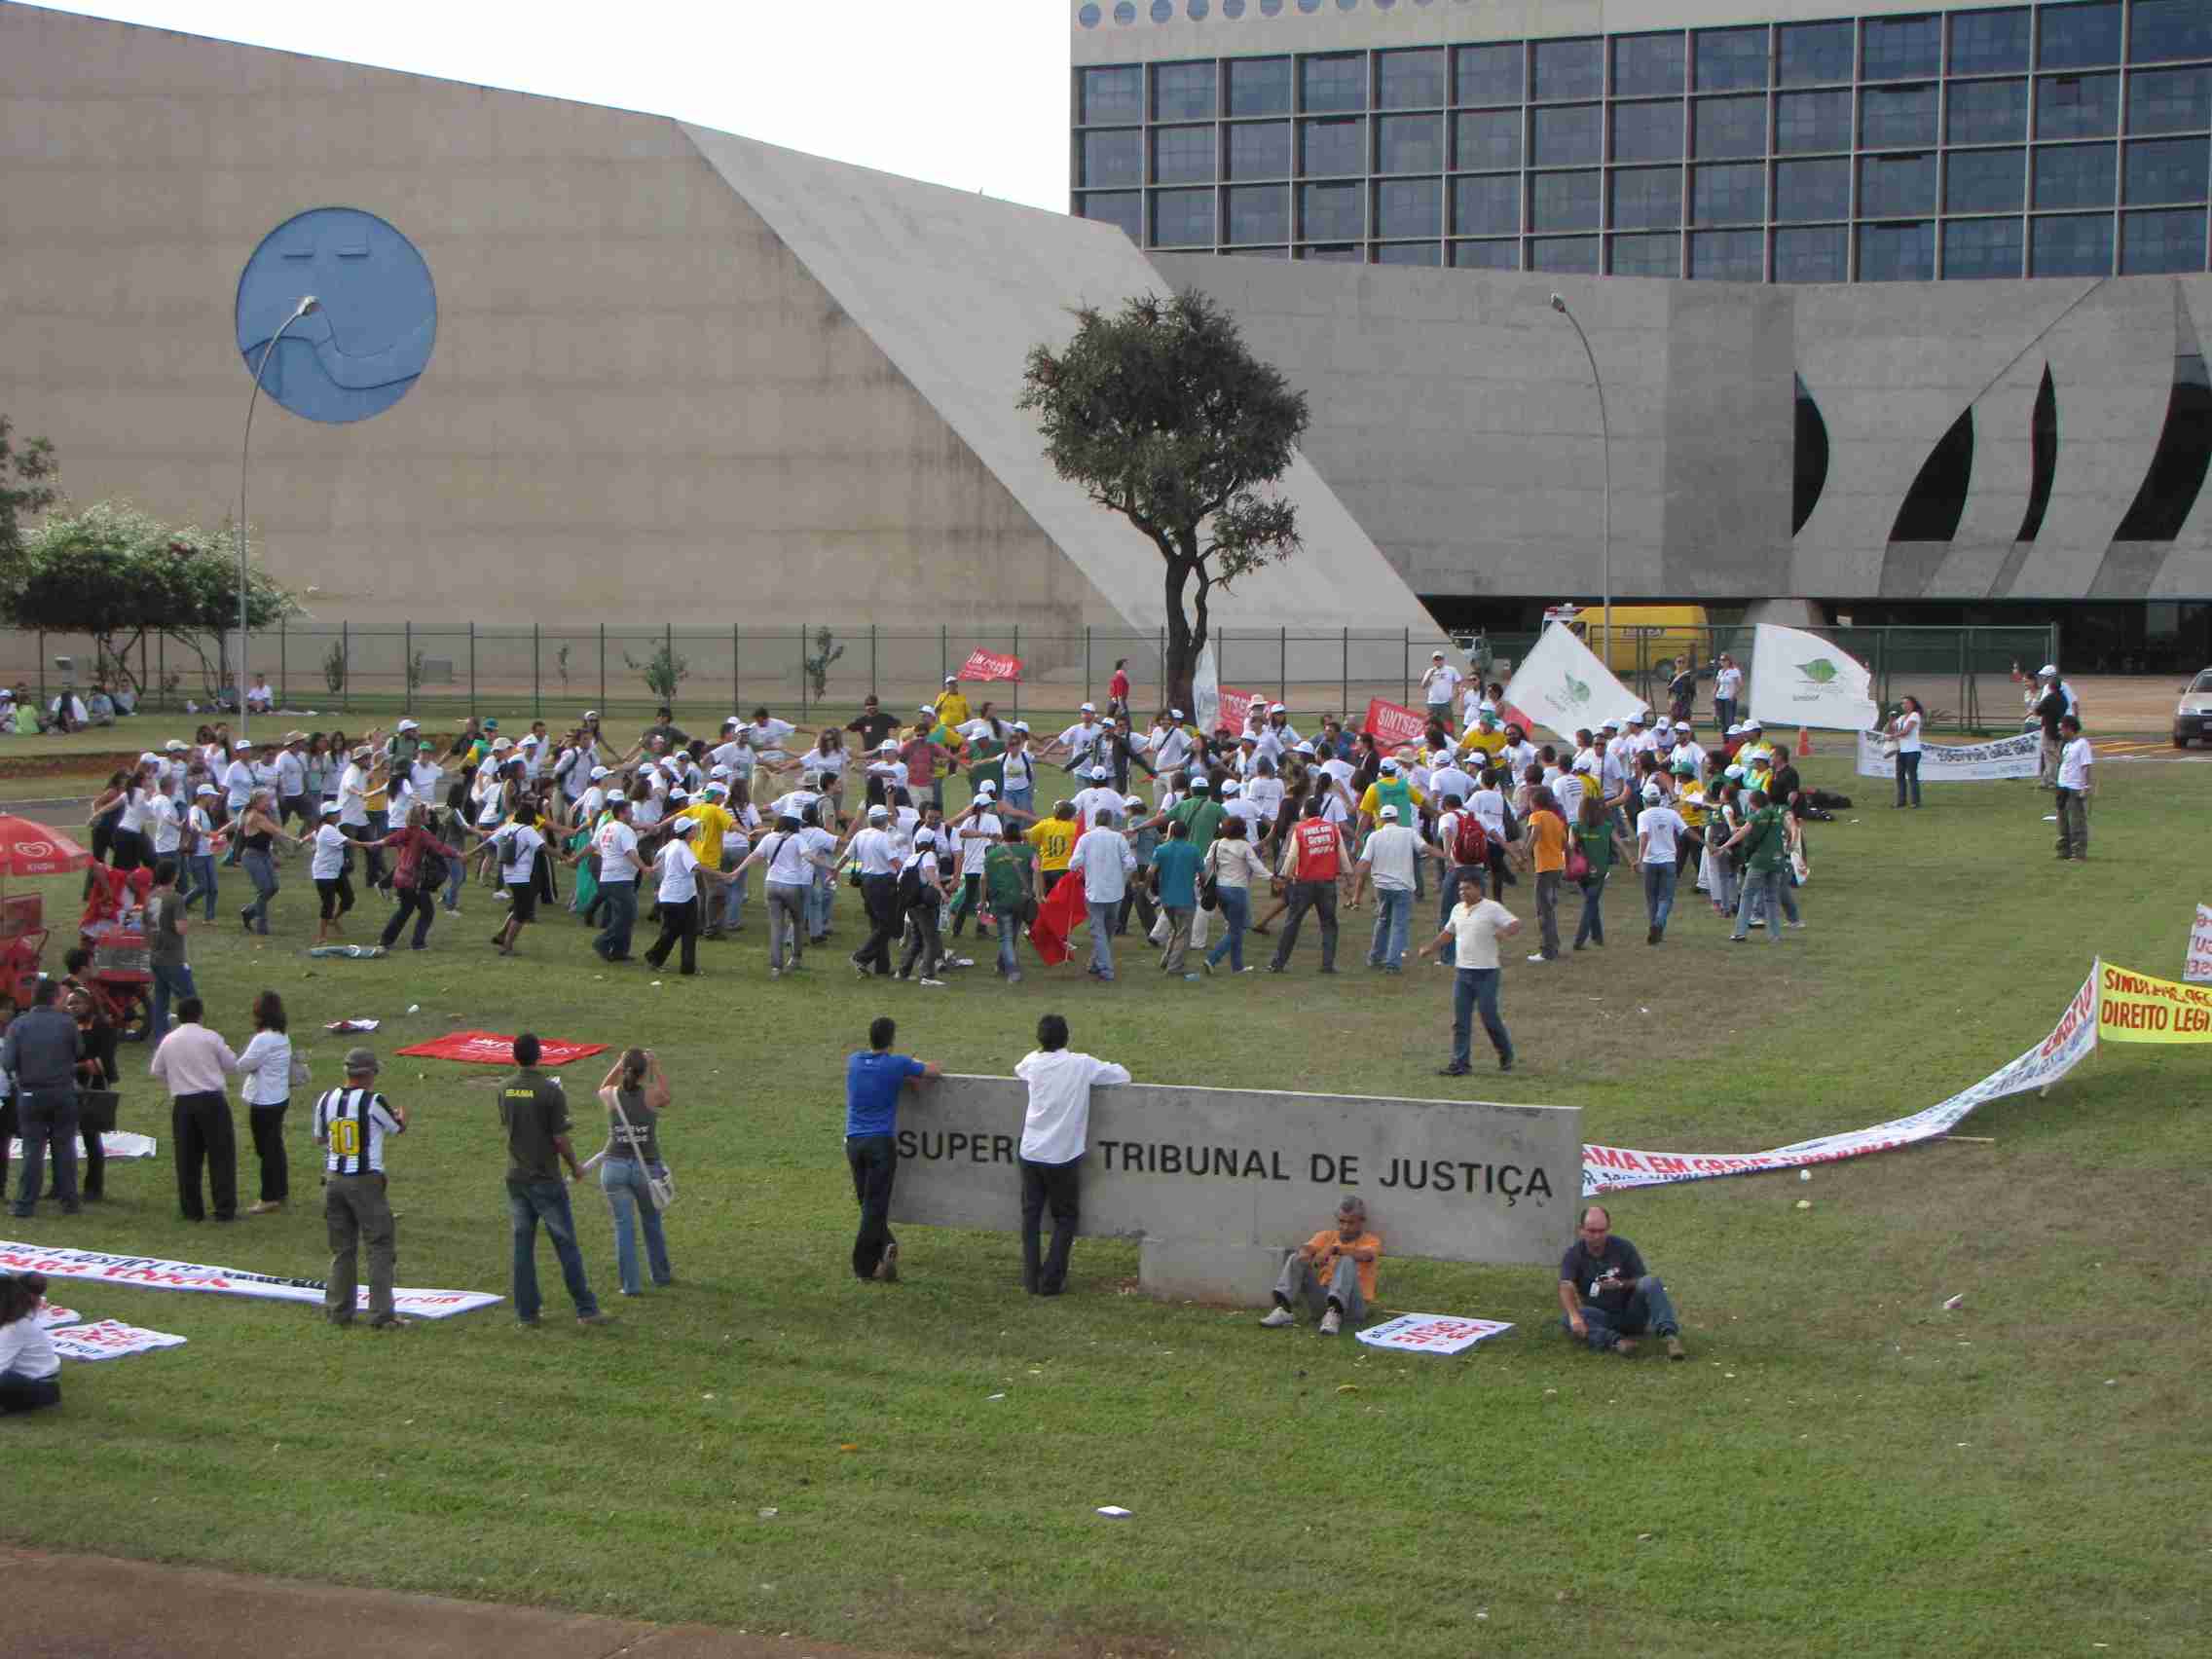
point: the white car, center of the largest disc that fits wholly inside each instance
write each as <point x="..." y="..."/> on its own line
<point x="2193" y="714"/>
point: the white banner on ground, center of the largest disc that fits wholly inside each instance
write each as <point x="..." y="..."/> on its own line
<point x="1800" y="680"/>
<point x="1205" y="691"/>
<point x="152" y="1273"/>
<point x="1431" y="1332"/>
<point x="1561" y="683"/>
<point x="116" y="1143"/>
<point x="1611" y="1169"/>
<point x="54" y="1319"/>
<point x="110" y="1339"/>
<point x="1955" y="762"/>
<point x="2198" y="969"/>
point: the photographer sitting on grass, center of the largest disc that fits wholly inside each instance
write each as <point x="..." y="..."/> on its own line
<point x="1332" y="1272"/>
<point x="1609" y="1300"/>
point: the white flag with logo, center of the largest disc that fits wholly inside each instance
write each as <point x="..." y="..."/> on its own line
<point x="1800" y="680"/>
<point x="1561" y="685"/>
<point x="1205" y="691"/>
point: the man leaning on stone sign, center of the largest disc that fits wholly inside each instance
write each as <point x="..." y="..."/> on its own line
<point x="1608" y="1298"/>
<point x="1333" y="1273"/>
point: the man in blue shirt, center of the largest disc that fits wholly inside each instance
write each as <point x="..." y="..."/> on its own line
<point x="1175" y="878"/>
<point x="872" y="1081"/>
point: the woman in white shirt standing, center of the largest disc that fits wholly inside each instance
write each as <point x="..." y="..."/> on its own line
<point x="1905" y="728"/>
<point x="30" y="1371"/>
<point x="327" y="869"/>
<point x="265" y="1071"/>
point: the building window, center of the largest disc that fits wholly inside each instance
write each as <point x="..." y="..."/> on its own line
<point x="2164" y="29"/>
<point x="1903" y="48"/>
<point x="1409" y="143"/>
<point x="1182" y="92"/>
<point x="1182" y="218"/>
<point x="1730" y="60"/>
<point x="1812" y="190"/>
<point x="1409" y="253"/>
<point x="1987" y="112"/>
<point x="1728" y="195"/>
<point x="1259" y="213"/>
<point x="1814" y="52"/>
<point x="2071" y="245"/>
<point x="1566" y="136"/>
<point x="1729" y="126"/>
<point x="1113" y="157"/>
<point x="2077" y="106"/>
<point x="1337" y="81"/>
<point x="1183" y="155"/>
<point x="2166" y="170"/>
<point x="1571" y="69"/>
<point x="1341" y="253"/>
<point x="1647" y="198"/>
<point x="1982" y="247"/>
<point x="1648" y="64"/>
<point x="1572" y="256"/>
<point x="1647" y="131"/>
<point x="2169" y="100"/>
<point x="1984" y="181"/>
<point x="2075" y="37"/>
<point x="1113" y="94"/>
<point x="1489" y="74"/>
<point x="2074" y="175"/>
<point x="1326" y="212"/>
<point x="1486" y="138"/>
<point x="1332" y="147"/>
<point x="1125" y="209"/>
<point x="2152" y="244"/>
<point x="1892" y="186"/>
<point x="1563" y="202"/>
<point x="1409" y="207"/>
<point x="1727" y="256"/>
<point x="1898" y="116"/>
<point x="1896" y="254"/>
<point x="1259" y="86"/>
<point x="1647" y="256"/>
<point x="1259" y="149"/>
<point x="1486" y="205"/>
<point x="1487" y="255"/>
<point x="1409" y="80"/>
<point x="1990" y="43"/>
<point x="1816" y="253"/>
<point x="1812" y="121"/>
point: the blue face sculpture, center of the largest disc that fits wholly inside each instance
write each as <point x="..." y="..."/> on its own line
<point x="370" y="340"/>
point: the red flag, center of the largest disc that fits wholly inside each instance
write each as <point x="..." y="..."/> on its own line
<point x="988" y="665"/>
<point x="1393" y="724"/>
<point x="1059" y="916"/>
<point x="1235" y="706"/>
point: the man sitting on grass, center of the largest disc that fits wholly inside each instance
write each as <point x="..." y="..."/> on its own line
<point x="1333" y="1273"/>
<point x="1608" y="1298"/>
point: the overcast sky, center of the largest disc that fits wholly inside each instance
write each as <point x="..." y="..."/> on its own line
<point x="971" y="93"/>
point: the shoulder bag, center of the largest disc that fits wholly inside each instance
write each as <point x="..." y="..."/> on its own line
<point x="1209" y="889"/>
<point x="662" y="1186"/>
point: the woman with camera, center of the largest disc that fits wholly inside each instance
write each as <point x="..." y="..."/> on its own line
<point x="635" y="1092"/>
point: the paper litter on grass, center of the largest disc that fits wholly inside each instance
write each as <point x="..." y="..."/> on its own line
<point x="342" y="1027"/>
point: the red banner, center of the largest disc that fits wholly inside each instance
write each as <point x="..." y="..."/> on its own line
<point x="490" y="1049"/>
<point x="985" y="665"/>
<point x="1234" y="705"/>
<point x="1394" y="723"/>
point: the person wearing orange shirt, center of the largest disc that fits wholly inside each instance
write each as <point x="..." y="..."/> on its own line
<point x="1333" y="1273"/>
<point x="1547" y="845"/>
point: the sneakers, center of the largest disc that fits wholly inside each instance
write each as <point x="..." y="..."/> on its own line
<point x="926" y="980"/>
<point x="1652" y="936"/>
<point x="1278" y="1317"/>
<point x="1451" y="1071"/>
<point x="1674" y="1349"/>
<point x="266" y="1206"/>
<point x="1540" y="956"/>
<point x="1332" y="1322"/>
<point x="887" y="1269"/>
<point x="391" y="1322"/>
<point x="596" y="1319"/>
<point x="1626" y="1347"/>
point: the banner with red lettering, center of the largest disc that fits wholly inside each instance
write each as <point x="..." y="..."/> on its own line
<point x="491" y="1048"/>
<point x="152" y="1273"/>
<point x="1431" y="1332"/>
<point x="2138" y="1007"/>
<point x="2196" y="970"/>
<point x="1393" y="724"/>
<point x="989" y="665"/>
<point x="1611" y="1169"/>
<point x="109" y="1339"/>
<point x="116" y="1143"/>
<point x="1235" y="706"/>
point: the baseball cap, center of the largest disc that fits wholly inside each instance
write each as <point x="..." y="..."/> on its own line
<point x="1200" y="782"/>
<point x="2049" y="670"/>
<point x="1665" y="724"/>
<point x="330" y="809"/>
<point x="924" y="838"/>
<point x="1436" y="656"/>
<point x="927" y="708"/>
<point x="1736" y="772"/>
<point x="591" y="713"/>
<point x="1232" y="786"/>
<point x="718" y="772"/>
<point x="1754" y="725"/>
<point x="1389" y="812"/>
<point x="1583" y="763"/>
<point x="1276" y="709"/>
<point x="1685" y="768"/>
<point x="596" y="773"/>
<point x="1249" y="738"/>
<point x="361" y="1061"/>
<point x="952" y="680"/>
<point x="1088" y="709"/>
<point x="410" y="725"/>
<point x="492" y="724"/>
<point x="1389" y="763"/>
<point x="176" y="745"/>
<point x="674" y="795"/>
<point x="1021" y="726"/>
<point x="1651" y="793"/>
<point x="1611" y="726"/>
<point x="887" y="747"/>
<point x="1133" y="800"/>
<point x="716" y="788"/>
<point x="1305" y="746"/>
<point x="1174" y="713"/>
<point x="733" y="721"/>
<point x="243" y="745"/>
<point x="683" y="825"/>
<point x="148" y="758"/>
<point x="206" y="789"/>
<point x="877" y="814"/>
<point x="986" y="791"/>
<point x="1099" y="774"/>
<point x="499" y="745"/>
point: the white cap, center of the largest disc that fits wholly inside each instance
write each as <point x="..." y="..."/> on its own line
<point x="1753" y="725"/>
<point x="1486" y="707"/>
<point x="1583" y="763"/>
<point x="1389" y="763"/>
<point x="1651" y="793"/>
<point x="1099" y="774"/>
<point x="206" y="789"/>
<point x="149" y="758"/>
<point x="1304" y="747"/>
<point x="986" y="790"/>
<point x="1232" y="786"/>
<point x="498" y="744"/>
<point x="243" y="745"/>
<point x="2049" y="670"/>
<point x="928" y="707"/>
<point x="925" y="836"/>
<point x="715" y="789"/>
<point x="596" y="773"/>
<point x="718" y="772"/>
<point x="1174" y="713"/>
<point x="1022" y="726"/>
<point x="1638" y="717"/>
<point x="1611" y="726"/>
<point x="1130" y="800"/>
<point x="1437" y="656"/>
<point x="1200" y="782"/>
<point x="410" y="725"/>
<point x="1389" y="812"/>
<point x="591" y="713"/>
<point x="952" y="680"/>
<point x="1088" y="709"/>
<point x="1276" y="709"/>
<point x="1665" y="724"/>
<point x="887" y="747"/>
<point x="175" y="746"/>
<point x="877" y="814"/>
<point x="733" y="721"/>
<point x="684" y="826"/>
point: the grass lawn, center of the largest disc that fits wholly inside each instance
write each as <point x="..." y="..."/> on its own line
<point x="774" y="1445"/>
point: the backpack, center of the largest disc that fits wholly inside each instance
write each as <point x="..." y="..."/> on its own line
<point x="912" y="889"/>
<point x="1471" y="841"/>
<point x="430" y="874"/>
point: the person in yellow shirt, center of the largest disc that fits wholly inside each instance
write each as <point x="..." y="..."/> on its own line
<point x="1333" y="1273"/>
<point x="715" y="822"/>
<point x="951" y="707"/>
<point x="1054" y="839"/>
<point x="1391" y="787"/>
<point x="1484" y="736"/>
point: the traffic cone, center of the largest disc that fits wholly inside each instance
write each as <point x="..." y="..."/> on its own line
<point x="1805" y="742"/>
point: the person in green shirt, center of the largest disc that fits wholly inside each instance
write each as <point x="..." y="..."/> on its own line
<point x="1199" y="814"/>
<point x="1175" y="879"/>
<point x="533" y="1112"/>
<point x="1594" y="835"/>
<point x="1765" y="843"/>
<point x="1009" y="878"/>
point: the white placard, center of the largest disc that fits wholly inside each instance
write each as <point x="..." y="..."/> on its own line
<point x="2198" y="969"/>
<point x="1800" y="680"/>
<point x="110" y="1339"/>
<point x="116" y="1143"/>
<point x="1955" y="762"/>
<point x="1431" y="1332"/>
<point x="53" y="1319"/>
<point x="1561" y="683"/>
<point x="152" y="1273"/>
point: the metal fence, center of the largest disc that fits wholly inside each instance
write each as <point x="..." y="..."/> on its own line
<point x="1963" y="676"/>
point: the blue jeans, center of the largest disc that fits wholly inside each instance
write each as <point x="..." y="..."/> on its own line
<point x="624" y="1181"/>
<point x="1648" y="1310"/>
<point x="454" y="882"/>
<point x="1659" y="890"/>
<point x="1393" y="921"/>
<point x="1010" y="929"/>
<point x="1102" y="938"/>
<point x="1476" y="988"/>
<point x="818" y="898"/>
<point x="727" y="907"/>
<point x="261" y="871"/>
<point x="1235" y="917"/>
<point x="1021" y="801"/>
<point x="1451" y="897"/>
<point x="168" y="982"/>
<point x="621" y="899"/>
<point x="47" y="1116"/>
<point x="1761" y="886"/>
<point x="530" y="1202"/>
<point x="1592" y="927"/>
<point x="199" y="882"/>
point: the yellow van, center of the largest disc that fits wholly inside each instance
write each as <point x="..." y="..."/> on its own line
<point x="1643" y="636"/>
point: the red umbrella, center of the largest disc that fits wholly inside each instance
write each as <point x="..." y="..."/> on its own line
<point x="33" y="849"/>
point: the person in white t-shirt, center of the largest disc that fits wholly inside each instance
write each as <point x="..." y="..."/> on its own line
<point x="1081" y="743"/>
<point x="1905" y="729"/>
<point x="1098" y="797"/>
<point x="519" y="841"/>
<point x="790" y="862"/>
<point x="327" y="869"/>
<point x="1727" y="689"/>
<point x="2076" y="766"/>
<point x="975" y="830"/>
<point x="1388" y="859"/>
<point x="1438" y="683"/>
<point x="1476" y="926"/>
<point x="1056" y="1130"/>
<point x="1659" y="833"/>
<point x="681" y="877"/>
<point x="616" y="845"/>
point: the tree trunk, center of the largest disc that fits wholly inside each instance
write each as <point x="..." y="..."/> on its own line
<point x="1184" y="640"/>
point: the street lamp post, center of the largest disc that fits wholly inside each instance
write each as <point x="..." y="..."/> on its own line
<point x="307" y="307"/>
<point x="1606" y="449"/>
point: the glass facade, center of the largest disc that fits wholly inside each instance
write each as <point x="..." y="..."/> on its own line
<point x="2070" y="138"/>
